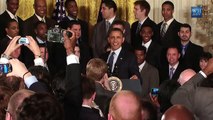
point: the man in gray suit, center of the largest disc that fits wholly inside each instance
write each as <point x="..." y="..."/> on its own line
<point x="148" y="72"/>
<point x="196" y="98"/>
<point x="99" y="41"/>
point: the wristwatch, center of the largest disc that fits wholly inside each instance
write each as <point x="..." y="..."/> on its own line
<point x="5" y="56"/>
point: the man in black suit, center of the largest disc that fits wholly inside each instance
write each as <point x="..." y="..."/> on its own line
<point x="40" y="8"/>
<point x="10" y="13"/>
<point x="99" y="41"/>
<point x="72" y="10"/>
<point x="122" y="63"/>
<point x="12" y="30"/>
<point x="169" y="27"/>
<point x="141" y="12"/>
<point x="190" y="52"/>
<point x="172" y="69"/>
<point x="153" y="53"/>
<point x="58" y="53"/>
<point x="88" y="110"/>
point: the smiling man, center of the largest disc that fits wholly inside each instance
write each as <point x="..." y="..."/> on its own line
<point x="72" y="10"/>
<point x="40" y="7"/>
<point x="10" y="13"/>
<point x="122" y="64"/>
<point x="172" y="69"/>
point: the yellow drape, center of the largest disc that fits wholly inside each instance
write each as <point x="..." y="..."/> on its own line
<point x="88" y="9"/>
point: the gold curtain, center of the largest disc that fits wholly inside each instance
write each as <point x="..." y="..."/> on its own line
<point x="88" y="9"/>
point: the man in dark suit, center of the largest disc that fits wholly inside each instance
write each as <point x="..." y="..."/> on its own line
<point x="148" y="72"/>
<point x="40" y="8"/>
<point x="141" y="12"/>
<point x="169" y="27"/>
<point x="58" y="53"/>
<point x="190" y="52"/>
<point x="72" y="10"/>
<point x="10" y="13"/>
<point x="122" y="63"/>
<point x="88" y="110"/>
<point x="153" y="49"/>
<point x="99" y="41"/>
<point x="172" y="69"/>
<point x="12" y="30"/>
<point x="197" y="99"/>
<point x="97" y="70"/>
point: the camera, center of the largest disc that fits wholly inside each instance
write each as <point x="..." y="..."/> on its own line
<point x="56" y="34"/>
<point x="154" y="91"/>
<point x="23" y="40"/>
<point x="5" y="68"/>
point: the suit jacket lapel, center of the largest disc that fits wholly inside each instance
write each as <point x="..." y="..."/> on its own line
<point x="120" y="57"/>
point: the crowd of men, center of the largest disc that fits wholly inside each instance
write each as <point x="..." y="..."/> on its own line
<point x="69" y="79"/>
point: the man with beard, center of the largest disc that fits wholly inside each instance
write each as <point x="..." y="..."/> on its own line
<point x="190" y="52"/>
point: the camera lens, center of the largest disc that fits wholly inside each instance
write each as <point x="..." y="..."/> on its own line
<point x="69" y="34"/>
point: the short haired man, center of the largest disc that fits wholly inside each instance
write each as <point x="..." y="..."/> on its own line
<point x="96" y="70"/>
<point x="153" y="49"/>
<point x="169" y="27"/>
<point x="190" y="52"/>
<point x="15" y="101"/>
<point x="178" y="112"/>
<point x="121" y="63"/>
<point x="10" y="13"/>
<point x="185" y="76"/>
<point x="148" y="72"/>
<point x="48" y="107"/>
<point x="72" y="10"/>
<point x="40" y="7"/>
<point x="173" y="68"/>
<point x="12" y="30"/>
<point x="125" y="105"/>
<point x="141" y="12"/>
<point x="88" y="110"/>
<point x="99" y="41"/>
<point x="121" y="25"/>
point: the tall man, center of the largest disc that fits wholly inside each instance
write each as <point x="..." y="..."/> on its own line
<point x="40" y="7"/>
<point x="190" y="52"/>
<point x="99" y="41"/>
<point x="169" y="26"/>
<point x="121" y="63"/>
<point x="141" y="12"/>
<point x="10" y="13"/>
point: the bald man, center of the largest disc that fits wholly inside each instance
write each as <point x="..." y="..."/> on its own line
<point x="177" y="112"/>
<point x="125" y="105"/>
<point x="15" y="101"/>
<point x="185" y="76"/>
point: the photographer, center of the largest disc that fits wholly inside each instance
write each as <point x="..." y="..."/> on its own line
<point x="15" y="44"/>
